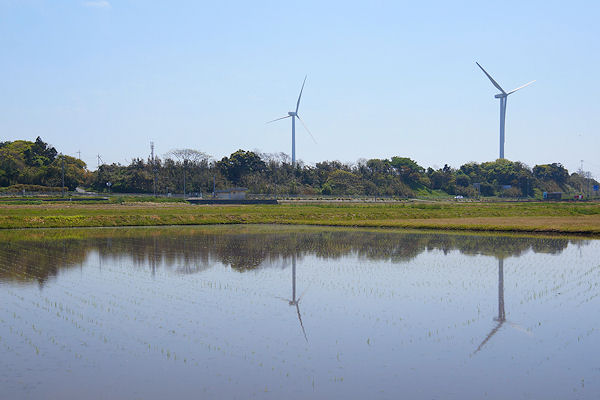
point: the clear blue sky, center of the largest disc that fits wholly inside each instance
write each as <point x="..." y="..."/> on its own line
<point x="384" y="78"/>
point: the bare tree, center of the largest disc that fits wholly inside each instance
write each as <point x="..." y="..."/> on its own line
<point x="276" y="159"/>
<point x="187" y="156"/>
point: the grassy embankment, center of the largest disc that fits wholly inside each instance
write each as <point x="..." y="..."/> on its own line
<point x="577" y="218"/>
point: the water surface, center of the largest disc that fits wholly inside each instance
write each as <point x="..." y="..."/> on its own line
<point x="296" y="312"/>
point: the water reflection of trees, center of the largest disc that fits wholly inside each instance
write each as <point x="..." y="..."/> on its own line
<point x="189" y="250"/>
<point x="39" y="260"/>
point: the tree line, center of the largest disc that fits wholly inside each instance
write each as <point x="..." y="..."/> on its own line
<point x="189" y="250"/>
<point x="193" y="172"/>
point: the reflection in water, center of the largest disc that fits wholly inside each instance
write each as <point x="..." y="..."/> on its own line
<point x="501" y="315"/>
<point x="392" y="314"/>
<point x="39" y="256"/>
<point x="296" y="302"/>
<point x="293" y="301"/>
<point x="501" y="318"/>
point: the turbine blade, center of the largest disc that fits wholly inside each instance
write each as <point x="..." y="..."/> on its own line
<point x="301" y="324"/>
<point x="307" y="130"/>
<point x="519" y="88"/>
<point x="491" y="79"/>
<point x="520" y="328"/>
<point x="489" y="336"/>
<point x="303" y="293"/>
<point x="268" y="122"/>
<point x="298" y="103"/>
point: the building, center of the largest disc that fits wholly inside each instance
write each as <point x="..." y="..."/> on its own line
<point x="552" y="195"/>
<point x="237" y="193"/>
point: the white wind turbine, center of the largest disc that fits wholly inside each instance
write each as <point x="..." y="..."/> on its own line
<point x="294" y="115"/>
<point x="502" y="96"/>
<point x="501" y="313"/>
<point x="296" y="301"/>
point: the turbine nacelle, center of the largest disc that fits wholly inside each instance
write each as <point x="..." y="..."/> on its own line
<point x="500" y="95"/>
<point x="292" y="114"/>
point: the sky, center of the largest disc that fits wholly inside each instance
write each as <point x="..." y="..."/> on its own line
<point x="385" y="78"/>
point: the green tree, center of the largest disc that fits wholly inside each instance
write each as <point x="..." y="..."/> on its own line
<point x="554" y="171"/>
<point x="344" y="182"/>
<point x="241" y="163"/>
<point x="409" y="170"/>
<point x="39" y="154"/>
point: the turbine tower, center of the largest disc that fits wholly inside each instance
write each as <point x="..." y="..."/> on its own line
<point x="294" y="115"/>
<point x="502" y="96"/>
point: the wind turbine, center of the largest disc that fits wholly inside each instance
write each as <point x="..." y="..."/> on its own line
<point x="501" y="319"/>
<point x="294" y="115"/>
<point x="502" y="96"/>
<point x="293" y="301"/>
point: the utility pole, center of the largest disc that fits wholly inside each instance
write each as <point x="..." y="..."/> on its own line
<point x="582" y="175"/>
<point x="153" y="166"/>
<point x="586" y="175"/>
<point x="589" y="179"/>
<point x="62" y="167"/>
<point x="184" y="173"/>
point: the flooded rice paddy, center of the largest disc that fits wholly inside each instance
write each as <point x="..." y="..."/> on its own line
<point x="294" y="312"/>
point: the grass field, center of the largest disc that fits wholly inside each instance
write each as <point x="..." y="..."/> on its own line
<point x="579" y="218"/>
